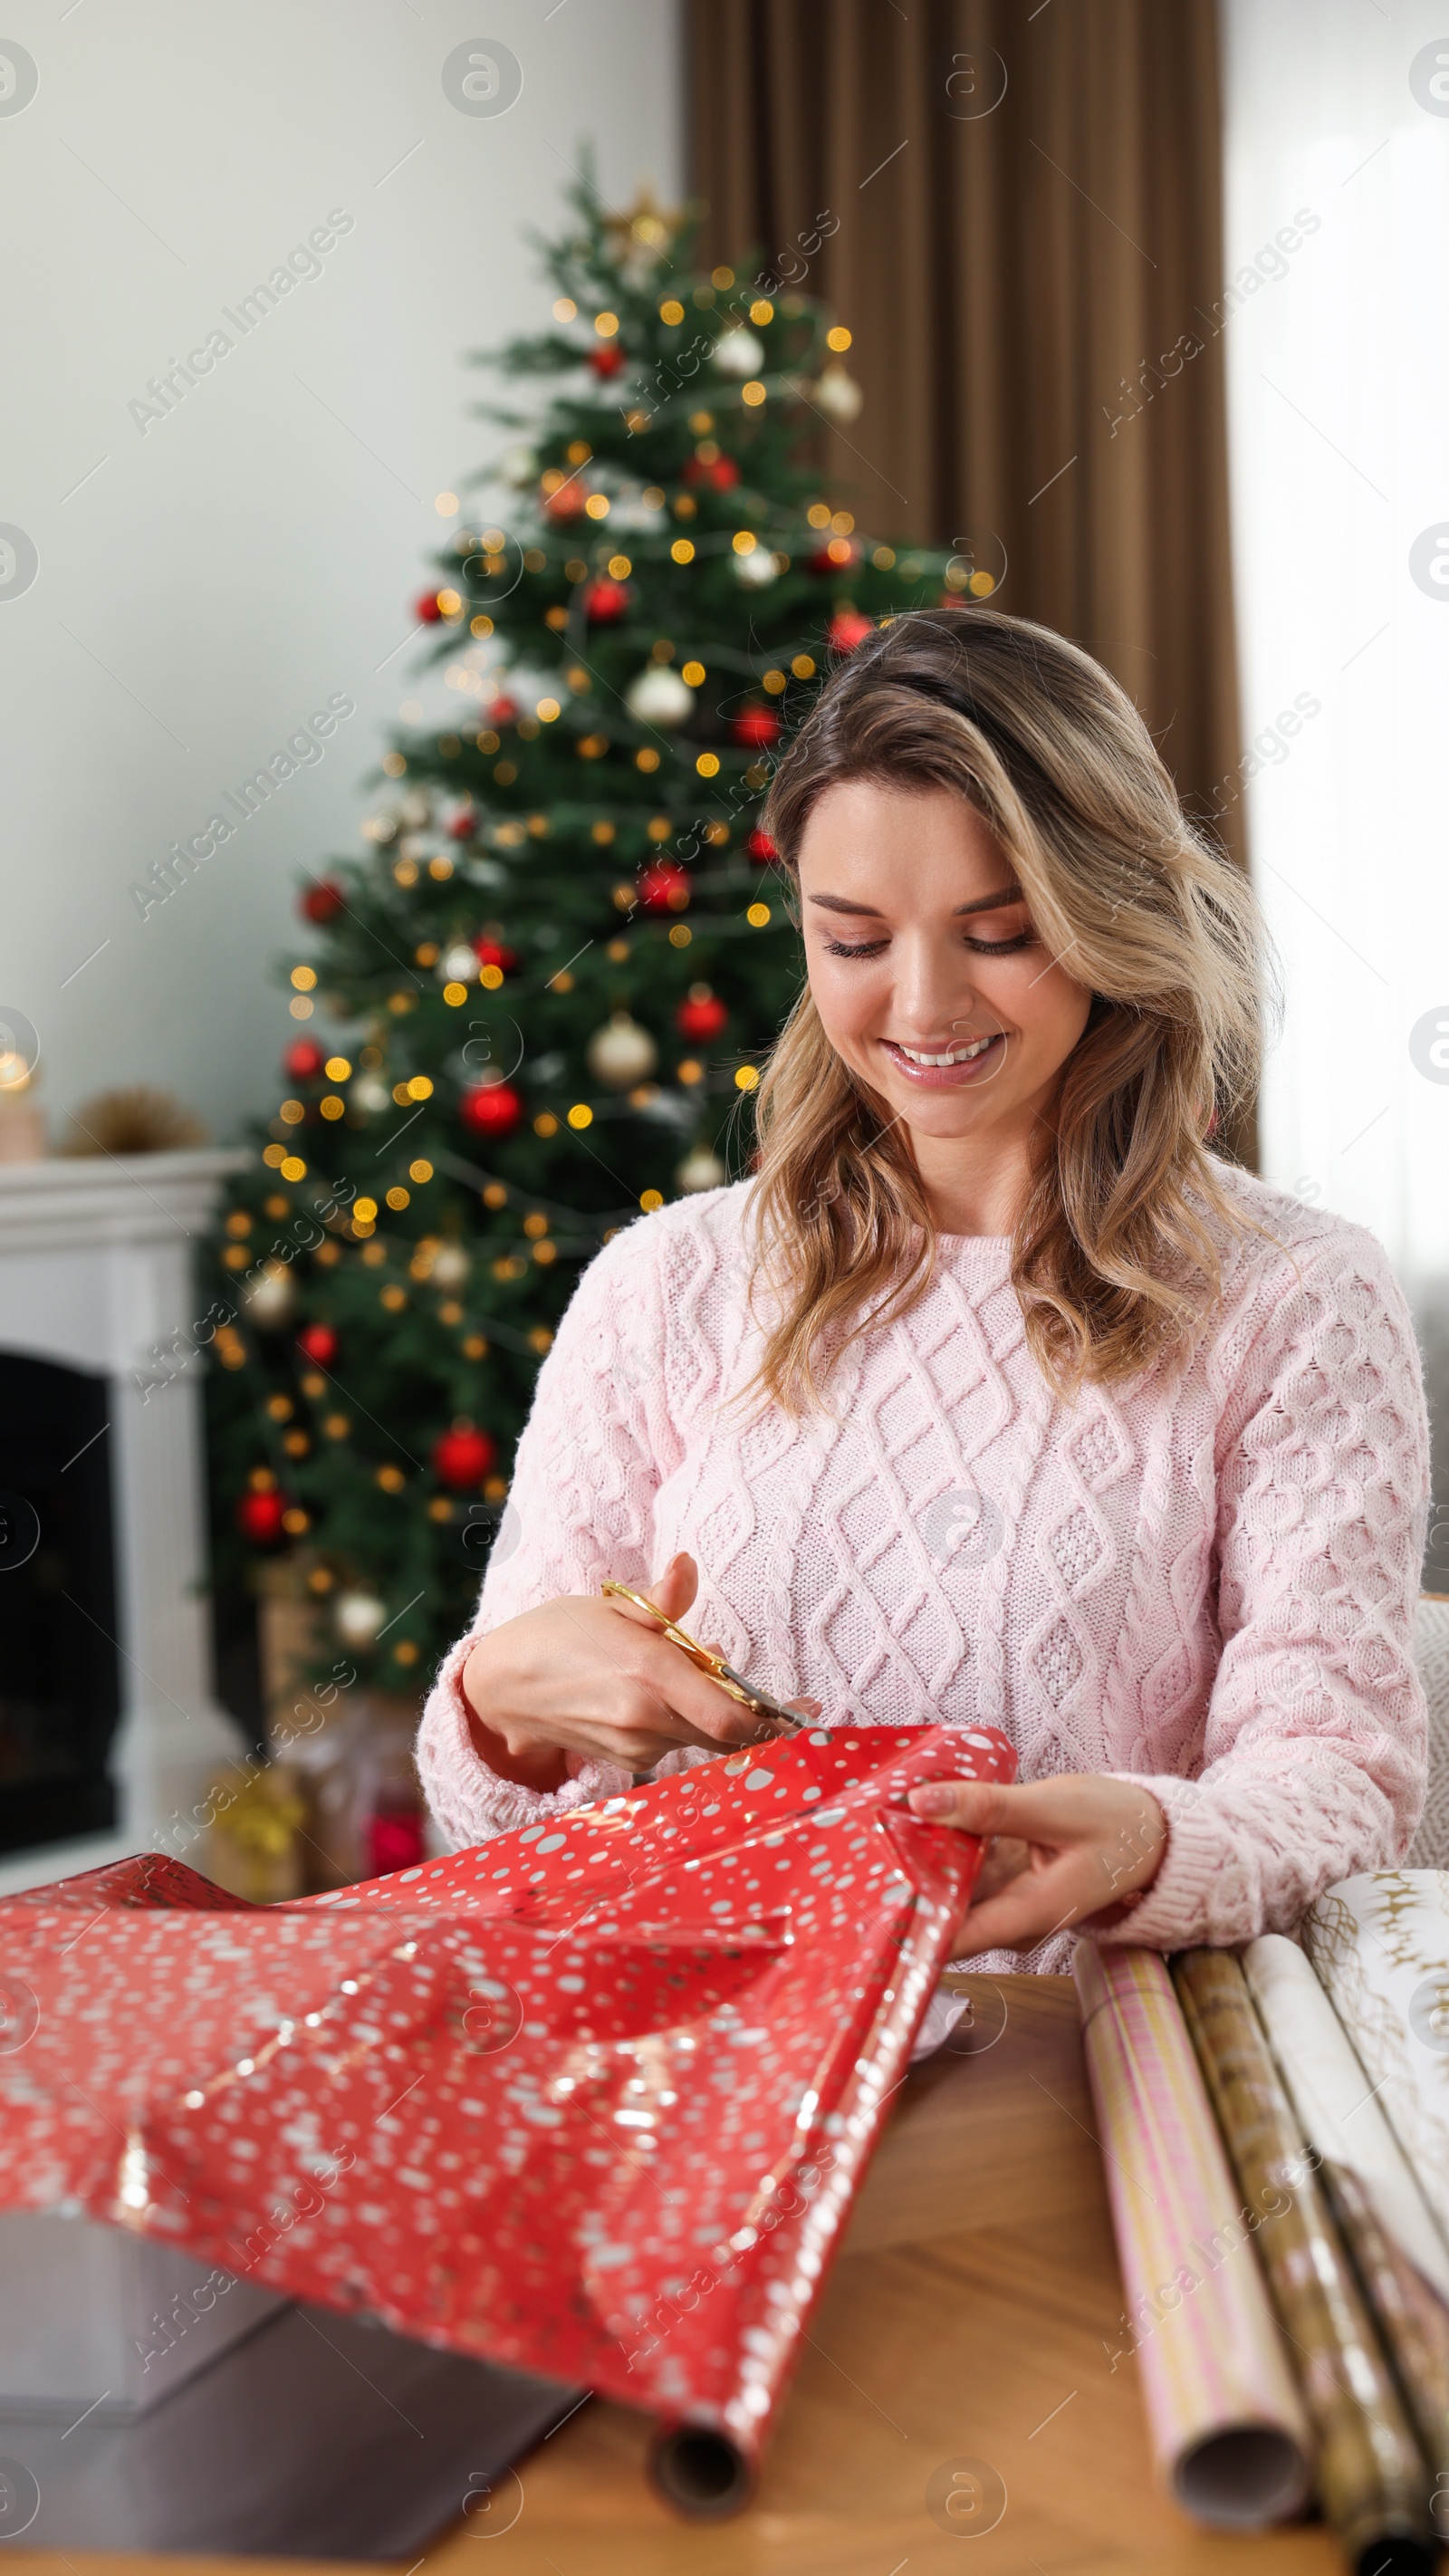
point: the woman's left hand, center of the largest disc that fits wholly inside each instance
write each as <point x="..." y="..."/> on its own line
<point x="1057" y="1851"/>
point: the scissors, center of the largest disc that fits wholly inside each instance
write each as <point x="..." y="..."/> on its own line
<point x="778" y="1719"/>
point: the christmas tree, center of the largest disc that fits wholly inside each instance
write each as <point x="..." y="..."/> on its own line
<point x="551" y="977"/>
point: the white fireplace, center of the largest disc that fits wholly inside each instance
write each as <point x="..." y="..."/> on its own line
<point x="97" y="1270"/>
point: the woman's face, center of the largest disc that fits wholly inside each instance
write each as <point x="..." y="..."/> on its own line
<point x="928" y="977"/>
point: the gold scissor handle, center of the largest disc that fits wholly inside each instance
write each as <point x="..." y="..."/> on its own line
<point x="707" y="1662"/>
<point x="782" y="1720"/>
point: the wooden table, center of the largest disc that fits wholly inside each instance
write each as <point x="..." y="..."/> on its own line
<point x="970" y="2316"/>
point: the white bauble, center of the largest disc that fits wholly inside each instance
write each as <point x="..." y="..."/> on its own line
<point x="358" y="1616"/>
<point x="659" y="697"/>
<point x="701" y="1170"/>
<point x="369" y="1094"/>
<point x="837" y="395"/>
<point x="457" y="965"/>
<point x="451" y="1266"/>
<point x="631" y="511"/>
<point x="270" y="1299"/>
<point x="621" y="1053"/>
<point x="738" y="352"/>
<point x="756" y="568"/>
<point x="415" y="806"/>
<point x="520" y="467"/>
<point x="380" y="828"/>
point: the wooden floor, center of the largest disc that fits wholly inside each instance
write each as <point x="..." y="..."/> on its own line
<point x="964" y="2322"/>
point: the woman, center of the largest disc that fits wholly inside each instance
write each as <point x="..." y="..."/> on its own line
<point x="994" y="1396"/>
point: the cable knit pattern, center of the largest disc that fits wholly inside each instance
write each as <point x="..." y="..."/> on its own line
<point x="1204" y="1581"/>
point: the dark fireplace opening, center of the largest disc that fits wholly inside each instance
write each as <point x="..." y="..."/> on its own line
<point x="59" y="1663"/>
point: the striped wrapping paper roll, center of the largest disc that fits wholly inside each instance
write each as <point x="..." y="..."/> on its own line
<point x="1229" y="2434"/>
<point x="1380" y="1943"/>
<point x="1372" y="2481"/>
<point x="1396" y="2246"/>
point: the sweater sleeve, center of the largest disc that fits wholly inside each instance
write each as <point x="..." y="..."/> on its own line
<point x="1314" y="1754"/>
<point x="580" y="1508"/>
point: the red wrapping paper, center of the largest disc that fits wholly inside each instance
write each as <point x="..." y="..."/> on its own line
<point x="593" y="2099"/>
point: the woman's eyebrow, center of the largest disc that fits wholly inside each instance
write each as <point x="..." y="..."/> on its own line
<point x="979" y="903"/>
<point x="993" y="902"/>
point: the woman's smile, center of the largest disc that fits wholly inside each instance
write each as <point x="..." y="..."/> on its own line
<point x="951" y="1067"/>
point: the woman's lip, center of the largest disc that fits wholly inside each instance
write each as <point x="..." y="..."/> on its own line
<point x="944" y="1077"/>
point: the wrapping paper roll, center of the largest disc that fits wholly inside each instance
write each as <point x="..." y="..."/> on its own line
<point x="1413" y="2325"/>
<point x="1372" y="2481"/>
<point x="1229" y="2434"/>
<point x="1380" y="1943"/>
<point x="1336" y="2101"/>
<point x="604" y="2089"/>
<point x="1382" y="2214"/>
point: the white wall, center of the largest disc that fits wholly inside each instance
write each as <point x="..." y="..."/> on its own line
<point x="207" y="579"/>
<point x="1338" y="384"/>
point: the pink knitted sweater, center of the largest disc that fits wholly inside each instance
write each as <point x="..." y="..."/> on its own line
<point x="1204" y="1580"/>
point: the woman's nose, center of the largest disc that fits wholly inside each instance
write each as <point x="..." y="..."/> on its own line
<point x="934" y="993"/>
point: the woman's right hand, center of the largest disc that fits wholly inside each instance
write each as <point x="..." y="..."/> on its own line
<point x="584" y="1679"/>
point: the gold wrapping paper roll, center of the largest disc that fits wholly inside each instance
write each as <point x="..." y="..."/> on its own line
<point x="1397" y="2250"/>
<point x="1372" y="2482"/>
<point x="1412" y="2322"/>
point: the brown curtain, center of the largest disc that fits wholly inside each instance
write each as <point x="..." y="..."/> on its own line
<point x="1023" y="207"/>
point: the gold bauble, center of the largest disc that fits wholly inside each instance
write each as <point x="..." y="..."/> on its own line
<point x="621" y="1054"/>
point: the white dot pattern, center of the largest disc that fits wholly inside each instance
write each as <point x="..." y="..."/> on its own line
<point x="592" y="2100"/>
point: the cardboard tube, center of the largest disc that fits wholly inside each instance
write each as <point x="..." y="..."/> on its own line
<point x="700" y="2471"/>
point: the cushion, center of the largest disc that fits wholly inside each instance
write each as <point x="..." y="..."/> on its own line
<point x="1430" y="1846"/>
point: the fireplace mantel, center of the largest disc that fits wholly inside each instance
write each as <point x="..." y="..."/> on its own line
<point x="97" y="1268"/>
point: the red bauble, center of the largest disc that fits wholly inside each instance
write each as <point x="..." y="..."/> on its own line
<point x="318" y="1342"/>
<point x="491" y="1109"/>
<point x="489" y="953"/>
<point x="837" y="554"/>
<point x="848" y="628"/>
<point x="721" y="476"/>
<point x="462" y="1458"/>
<point x="607" y="359"/>
<point x="605" y="602"/>
<point x="304" y="1060"/>
<point x="504" y="711"/>
<point x="463" y="826"/>
<point x="756" y="728"/>
<point x="427" y="608"/>
<point x="761" y="848"/>
<point x="664" y="886"/>
<point x="259" y="1518"/>
<point x="394" y="1841"/>
<point x="701" y="1019"/>
<point x="322" y="900"/>
<point x="567" y="501"/>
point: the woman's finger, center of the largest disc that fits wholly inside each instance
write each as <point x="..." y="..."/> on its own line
<point x="976" y="1806"/>
<point x="1029" y="1910"/>
<point x="1040" y="1811"/>
<point x="1004" y="1859"/>
<point x="698" y="1711"/>
<point x="674" y="1589"/>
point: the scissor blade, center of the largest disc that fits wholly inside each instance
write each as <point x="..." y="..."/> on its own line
<point x="788" y="1718"/>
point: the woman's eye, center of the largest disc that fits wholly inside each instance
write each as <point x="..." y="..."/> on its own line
<point x="840" y="948"/>
<point x="1002" y="947"/>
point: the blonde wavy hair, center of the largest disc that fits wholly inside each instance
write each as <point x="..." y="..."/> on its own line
<point x="1112" y="1257"/>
